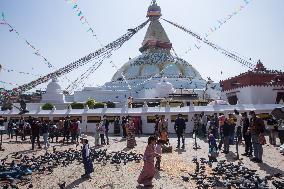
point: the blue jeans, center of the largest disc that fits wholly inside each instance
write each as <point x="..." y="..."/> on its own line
<point x="45" y="139"/>
<point x="257" y="148"/>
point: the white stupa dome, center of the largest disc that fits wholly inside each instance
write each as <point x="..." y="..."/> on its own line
<point x="53" y="93"/>
<point x="54" y="87"/>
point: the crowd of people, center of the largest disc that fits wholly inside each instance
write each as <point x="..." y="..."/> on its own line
<point x="221" y="131"/>
<point x="50" y="131"/>
<point x="228" y="130"/>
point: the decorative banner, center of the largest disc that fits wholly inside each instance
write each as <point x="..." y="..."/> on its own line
<point x="9" y="83"/>
<point x="20" y="72"/>
<point x="227" y="53"/>
<point x="83" y="19"/>
<point x="220" y="23"/>
<point x="97" y="55"/>
<point x="36" y="51"/>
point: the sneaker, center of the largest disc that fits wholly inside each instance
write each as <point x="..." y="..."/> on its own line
<point x="258" y="161"/>
<point x="254" y="159"/>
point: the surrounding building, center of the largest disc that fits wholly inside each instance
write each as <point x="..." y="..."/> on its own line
<point x="258" y="86"/>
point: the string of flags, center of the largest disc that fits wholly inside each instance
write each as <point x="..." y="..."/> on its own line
<point x="28" y="43"/>
<point x="225" y="52"/>
<point x="219" y="24"/>
<point x="83" y="19"/>
<point x="19" y="72"/>
<point x="83" y="61"/>
<point x="9" y="83"/>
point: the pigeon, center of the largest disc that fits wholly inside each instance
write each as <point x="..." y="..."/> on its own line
<point x="62" y="185"/>
<point x="185" y="179"/>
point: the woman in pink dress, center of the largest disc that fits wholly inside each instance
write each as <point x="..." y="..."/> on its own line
<point x="148" y="172"/>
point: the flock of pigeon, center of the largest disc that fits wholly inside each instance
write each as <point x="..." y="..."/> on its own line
<point x="14" y="173"/>
<point x="230" y="175"/>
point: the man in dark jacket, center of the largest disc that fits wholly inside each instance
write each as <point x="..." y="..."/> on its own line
<point x="180" y="130"/>
<point x="226" y="134"/>
<point x="257" y="127"/>
<point x="106" y="124"/>
<point x="246" y="135"/>
<point x="35" y="127"/>
<point x="66" y="129"/>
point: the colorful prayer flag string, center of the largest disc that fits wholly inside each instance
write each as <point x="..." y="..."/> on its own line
<point x="83" y="19"/>
<point x="220" y="23"/>
<point x="37" y="52"/>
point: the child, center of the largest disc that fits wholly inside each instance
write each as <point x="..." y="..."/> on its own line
<point x="88" y="165"/>
<point x="97" y="135"/>
<point x="148" y="172"/>
<point x="102" y="134"/>
<point x="213" y="154"/>
<point x="158" y="151"/>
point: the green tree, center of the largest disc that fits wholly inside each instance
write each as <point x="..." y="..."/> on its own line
<point x="47" y="106"/>
<point x="76" y="105"/>
<point x="91" y="103"/>
<point x="110" y="104"/>
<point x="99" y="105"/>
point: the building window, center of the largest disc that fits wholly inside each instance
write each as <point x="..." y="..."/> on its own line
<point x="280" y="98"/>
<point x="93" y="119"/>
<point x="152" y="119"/>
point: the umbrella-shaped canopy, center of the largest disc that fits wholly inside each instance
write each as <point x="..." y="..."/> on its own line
<point x="278" y="113"/>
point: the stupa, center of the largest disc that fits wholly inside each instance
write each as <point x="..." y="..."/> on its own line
<point x="53" y="93"/>
<point x="139" y="76"/>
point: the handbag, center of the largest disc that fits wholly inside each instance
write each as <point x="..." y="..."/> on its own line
<point x="261" y="139"/>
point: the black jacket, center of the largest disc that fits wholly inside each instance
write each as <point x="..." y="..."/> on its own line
<point x="245" y="126"/>
<point x="179" y="125"/>
<point x="226" y="129"/>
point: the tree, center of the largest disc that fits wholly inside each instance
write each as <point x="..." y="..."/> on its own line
<point x="99" y="105"/>
<point x="6" y="106"/>
<point x="76" y="105"/>
<point x="47" y="106"/>
<point x="91" y="103"/>
<point x="110" y="104"/>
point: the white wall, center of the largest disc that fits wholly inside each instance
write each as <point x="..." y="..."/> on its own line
<point x="256" y="94"/>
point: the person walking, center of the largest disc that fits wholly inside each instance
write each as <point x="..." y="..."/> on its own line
<point x="102" y="134"/>
<point x="88" y="164"/>
<point x="246" y="135"/>
<point x="35" y="127"/>
<point x="10" y="129"/>
<point x="226" y="134"/>
<point x="21" y="128"/>
<point x="203" y="124"/>
<point x="106" y="125"/>
<point x="66" y="129"/>
<point x="158" y="151"/>
<point x="272" y="126"/>
<point x="148" y="172"/>
<point x="257" y="128"/>
<point x="180" y="130"/>
<point x="123" y="125"/>
<point x="45" y="134"/>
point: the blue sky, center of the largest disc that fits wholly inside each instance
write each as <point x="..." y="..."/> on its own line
<point x="54" y="28"/>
